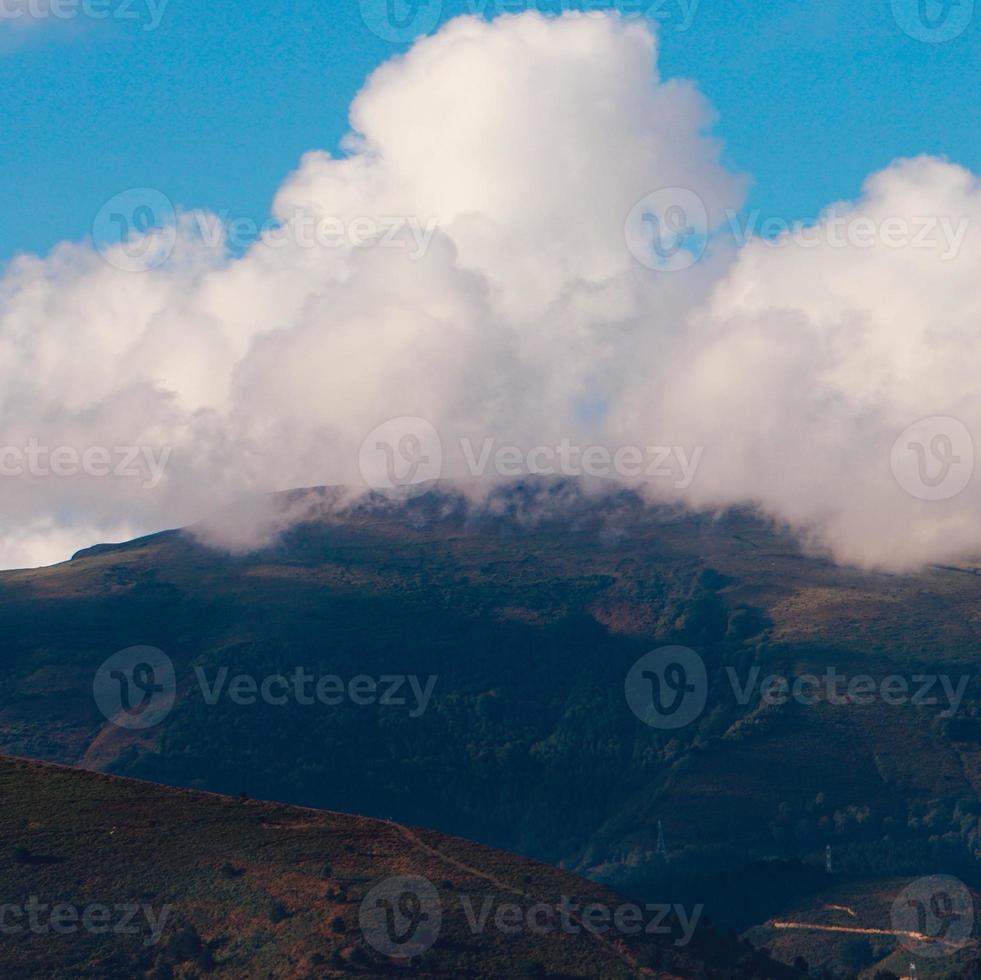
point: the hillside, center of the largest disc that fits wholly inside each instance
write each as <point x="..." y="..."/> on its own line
<point x="159" y="882"/>
<point x="527" y="618"/>
<point x="853" y="927"/>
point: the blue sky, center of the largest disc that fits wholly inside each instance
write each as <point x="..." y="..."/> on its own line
<point x="215" y="105"/>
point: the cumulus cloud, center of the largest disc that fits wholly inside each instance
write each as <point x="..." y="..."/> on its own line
<point x="465" y="262"/>
<point x="816" y="353"/>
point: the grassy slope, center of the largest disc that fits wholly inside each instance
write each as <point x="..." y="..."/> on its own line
<point x="858" y="904"/>
<point x="222" y="864"/>
<point x="531" y="633"/>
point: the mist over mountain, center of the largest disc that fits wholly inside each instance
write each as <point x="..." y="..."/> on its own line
<point x="488" y="490"/>
<point x="469" y="670"/>
<point x="478" y="260"/>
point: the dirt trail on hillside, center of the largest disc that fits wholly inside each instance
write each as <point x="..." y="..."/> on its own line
<point x="613" y="947"/>
<point x="919" y="937"/>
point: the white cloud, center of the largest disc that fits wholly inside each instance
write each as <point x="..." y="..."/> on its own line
<point x="811" y="360"/>
<point x="527" y="140"/>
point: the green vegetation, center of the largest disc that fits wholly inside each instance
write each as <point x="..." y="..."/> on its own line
<point x="116" y="844"/>
<point x="528" y="743"/>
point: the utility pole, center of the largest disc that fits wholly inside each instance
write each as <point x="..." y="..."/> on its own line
<point x="661" y="847"/>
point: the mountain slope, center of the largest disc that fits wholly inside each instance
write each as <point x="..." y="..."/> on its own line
<point x="160" y="882"/>
<point x="530" y="615"/>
